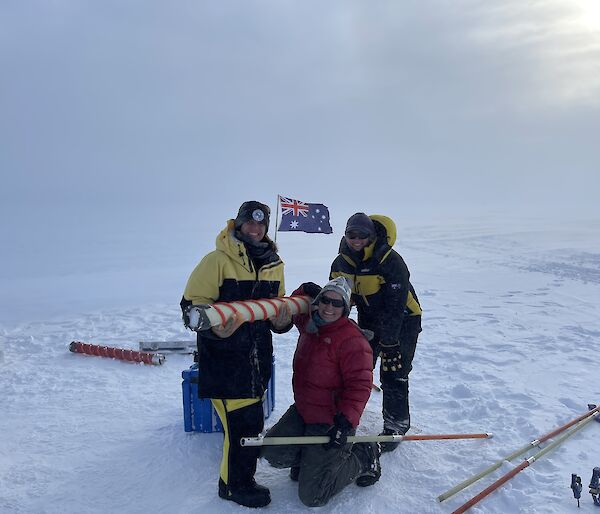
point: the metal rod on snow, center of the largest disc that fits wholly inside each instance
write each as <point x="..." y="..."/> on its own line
<point x="322" y="439"/>
<point x="513" y="455"/>
<point x="526" y="463"/>
<point x="202" y="317"/>
<point x="117" y="353"/>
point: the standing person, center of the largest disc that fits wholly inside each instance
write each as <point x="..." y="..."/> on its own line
<point x="332" y="377"/>
<point x="234" y="360"/>
<point x="387" y="305"/>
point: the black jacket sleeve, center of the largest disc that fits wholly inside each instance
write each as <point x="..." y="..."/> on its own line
<point x="394" y="293"/>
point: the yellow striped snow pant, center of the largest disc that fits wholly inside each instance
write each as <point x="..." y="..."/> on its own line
<point x="240" y="418"/>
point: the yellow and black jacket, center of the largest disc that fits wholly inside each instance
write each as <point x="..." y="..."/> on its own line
<point x="238" y="366"/>
<point x="381" y="289"/>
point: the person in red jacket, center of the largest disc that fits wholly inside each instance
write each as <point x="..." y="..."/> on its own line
<point x="332" y="377"/>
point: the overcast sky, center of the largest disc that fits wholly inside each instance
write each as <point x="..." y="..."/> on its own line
<point x="404" y="108"/>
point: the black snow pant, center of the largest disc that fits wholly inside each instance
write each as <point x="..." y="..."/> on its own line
<point x="240" y="418"/>
<point x="396" y="411"/>
<point x="323" y="472"/>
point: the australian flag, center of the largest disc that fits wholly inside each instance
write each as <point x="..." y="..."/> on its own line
<point x="299" y="216"/>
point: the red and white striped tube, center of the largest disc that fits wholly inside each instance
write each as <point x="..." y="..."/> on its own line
<point x="117" y="353"/>
<point x="202" y="317"/>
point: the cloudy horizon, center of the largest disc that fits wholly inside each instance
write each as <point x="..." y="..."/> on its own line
<point x="459" y="107"/>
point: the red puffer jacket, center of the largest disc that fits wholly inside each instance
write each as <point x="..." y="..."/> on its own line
<point x="332" y="371"/>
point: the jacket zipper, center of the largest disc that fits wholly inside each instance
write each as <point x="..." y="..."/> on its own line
<point x="358" y="291"/>
<point x="242" y="254"/>
<point x="256" y="367"/>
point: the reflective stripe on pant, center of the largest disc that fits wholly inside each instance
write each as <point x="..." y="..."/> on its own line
<point x="240" y="418"/>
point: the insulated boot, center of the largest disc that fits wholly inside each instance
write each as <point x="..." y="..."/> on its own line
<point x="294" y="473"/>
<point x="396" y="410"/>
<point x="250" y="495"/>
<point x="368" y="455"/>
<point x="390" y="447"/>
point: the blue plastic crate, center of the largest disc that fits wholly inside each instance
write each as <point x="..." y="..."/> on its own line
<point x="199" y="414"/>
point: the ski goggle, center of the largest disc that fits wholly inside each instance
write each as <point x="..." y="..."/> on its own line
<point x="326" y="300"/>
<point x="357" y="234"/>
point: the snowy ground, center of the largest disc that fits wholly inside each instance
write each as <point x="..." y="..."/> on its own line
<point x="509" y="345"/>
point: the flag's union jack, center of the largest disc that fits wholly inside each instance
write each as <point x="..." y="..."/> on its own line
<point x="297" y="216"/>
<point x="289" y="205"/>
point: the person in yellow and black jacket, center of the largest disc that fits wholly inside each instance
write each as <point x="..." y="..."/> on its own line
<point x="235" y="359"/>
<point x="387" y="305"/>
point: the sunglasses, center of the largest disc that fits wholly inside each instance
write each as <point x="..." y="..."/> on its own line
<point x="356" y="234"/>
<point x="326" y="300"/>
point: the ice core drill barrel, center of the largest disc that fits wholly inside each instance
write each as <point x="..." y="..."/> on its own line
<point x="117" y="353"/>
<point x="202" y="317"/>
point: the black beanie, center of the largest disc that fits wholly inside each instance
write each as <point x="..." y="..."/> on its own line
<point x="253" y="210"/>
<point x="361" y="222"/>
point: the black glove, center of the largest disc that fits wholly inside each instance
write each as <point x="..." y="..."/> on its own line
<point x="391" y="359"/>
<point x="339" y="432"/>
<point x="311" y="289"/>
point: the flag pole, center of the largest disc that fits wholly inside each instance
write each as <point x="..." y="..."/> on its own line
<point x="276" y="218"/>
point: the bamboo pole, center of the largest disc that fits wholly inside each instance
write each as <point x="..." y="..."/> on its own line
<point x="323" y="439"/>
<point x="526" y="463"/>
<point x="513" y="455"/>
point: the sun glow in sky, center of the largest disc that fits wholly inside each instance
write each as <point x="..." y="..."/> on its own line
<point x="476" y="105"/>
<point x="590" y="13"/>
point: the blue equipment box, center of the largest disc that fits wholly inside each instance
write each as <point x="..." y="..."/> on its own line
<point x="199" y="414"/>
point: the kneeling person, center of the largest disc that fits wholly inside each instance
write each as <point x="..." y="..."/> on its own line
<point x="332" y="377"/>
